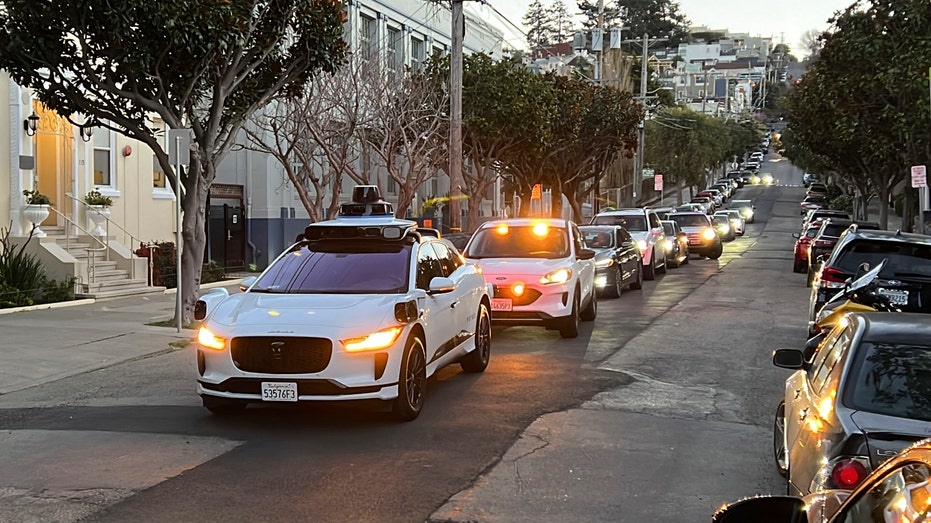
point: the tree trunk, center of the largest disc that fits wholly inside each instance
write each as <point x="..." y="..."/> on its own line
<point x="194" y="236"/>
<point x="908" y="217"/>
<point x="884" y="206"/>
<point x="475" y="205"/>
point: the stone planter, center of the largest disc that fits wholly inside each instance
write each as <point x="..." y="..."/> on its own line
<point x="99" y="215"/>
<point x="36" y="214"/>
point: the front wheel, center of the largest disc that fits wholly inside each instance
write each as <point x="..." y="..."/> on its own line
<point x="674" y="262"/>
<point x="717" y="252"/>
<point x="569" y="326"/>
<point x="615" y="290"/>
<point x="477" y="360"/>
<point x="412" y="381"/>
<point x="591" y="311"/>
<point x="662" y="268"/>
<point x="649" y="272"/>
<point x="638" y="283"/>
<point x="780" y="454"/>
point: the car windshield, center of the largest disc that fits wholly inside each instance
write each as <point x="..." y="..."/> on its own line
<point x="690" y="220"/>
<point x="519" y="241"/>
<point x="598" y="238"/>
<point x="905" y="259"/>
<point x="893" y="379"/>
<point x="339" y="267"/>
<point x="632" y="223"/>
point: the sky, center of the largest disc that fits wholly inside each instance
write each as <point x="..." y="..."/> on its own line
<point x="784" y="20"/>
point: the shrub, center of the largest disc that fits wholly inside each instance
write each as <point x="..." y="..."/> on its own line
<point x="164" y="266"/>
<point x="843" y="202"/>
<point x="95" y="198"/>
<point x="22" y="277"/>
<point x="36" y="198"/>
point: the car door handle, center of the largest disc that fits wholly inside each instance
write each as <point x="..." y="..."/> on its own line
<point x="803" y="414"/>
<point x="798" y="392"/>
<point x="453" y="304"/>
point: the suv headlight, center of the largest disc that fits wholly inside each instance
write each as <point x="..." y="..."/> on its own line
<point x="557" y="276"/>
<point x="210" y="340"/>
<point x="709" y="234"/>
<point x="607" y="262"/>
<point x="642" y="245"/>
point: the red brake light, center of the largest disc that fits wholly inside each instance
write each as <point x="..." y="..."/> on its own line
<point x="848" y="473"/>
<point x="832" y="274"/>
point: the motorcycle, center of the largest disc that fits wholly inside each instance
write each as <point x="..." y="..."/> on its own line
<point x="859" y="295"/>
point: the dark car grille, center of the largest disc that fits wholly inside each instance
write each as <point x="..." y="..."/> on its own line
<point x="281" y="355"/>
<point x="529" y="296"/>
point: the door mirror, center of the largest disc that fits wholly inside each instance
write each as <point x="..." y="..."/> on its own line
<point x="247" y="282"/>
<point x="585" y="254"/>
<point x="441" y="285"/>
<point x="765" y="509"/>
<point x="788" y="358"/>
<point x="796" y="235"/>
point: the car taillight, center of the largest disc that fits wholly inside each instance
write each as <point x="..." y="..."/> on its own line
<point x="848" y="473"/>
<point x="822" y="243"/>
<point x="832" y="275"/>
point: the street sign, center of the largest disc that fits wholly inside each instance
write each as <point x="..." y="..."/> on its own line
<point x="658" y="182"/>
<point x="179" y="146"/>
<point x="537" y="192"/>
<point x="919" y="176"/>
<point x="648" y="173"/>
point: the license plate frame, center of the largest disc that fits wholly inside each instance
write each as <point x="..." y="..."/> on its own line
<point x="896" y="296"/>
<point x="501" y="305"/>
<point x="279" y="391"/>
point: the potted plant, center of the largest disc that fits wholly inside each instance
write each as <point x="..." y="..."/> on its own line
<point x="36" y="210"/>
<point x="98" y="206"/>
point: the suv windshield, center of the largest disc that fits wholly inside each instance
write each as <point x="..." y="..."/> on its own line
<point x="892" y="379"/>
<point x="690" y="220"/>
<point x="519" y="241"/>
<point x="632" y="223"/>
<point x="905" y="259"/>
<point x="339" y="267"/>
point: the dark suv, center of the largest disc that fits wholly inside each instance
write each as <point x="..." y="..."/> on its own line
<point x="906" y="278"/>
<point x="821" y="245"/>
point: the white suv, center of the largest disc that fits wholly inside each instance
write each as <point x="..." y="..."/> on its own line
<point x="541" y="272"/>
<point x="647" y="230"/>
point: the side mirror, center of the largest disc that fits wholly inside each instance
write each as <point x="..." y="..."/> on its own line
<point x="247" y="282"/>
<point x="585" y="254"/>
<point x="200" y="310"/>
<point x="441" y="285"/>
<point x="764" y="509"/>
<point x="788" y="358"/>
<point x="796" y="235"/>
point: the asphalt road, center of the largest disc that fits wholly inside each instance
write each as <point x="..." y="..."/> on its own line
<point x="685" y="360"/>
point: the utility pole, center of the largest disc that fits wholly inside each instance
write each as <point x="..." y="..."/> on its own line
<point x="455" y="119"/>
<point x="600" y="72"/>
<point x="641" y="139"/>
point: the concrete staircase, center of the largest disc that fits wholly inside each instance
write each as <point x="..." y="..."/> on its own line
<point x="99" y="278"/>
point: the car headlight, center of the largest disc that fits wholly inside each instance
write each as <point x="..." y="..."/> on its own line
<point x="375" y="341"/>
<point x="668" y="245"/>
<point x="210" y="340"/>
<point x="607" y="262"/>
<point x="642" y="245"/>
<point x="708" y="234"/>
<point x="557" y="276"/>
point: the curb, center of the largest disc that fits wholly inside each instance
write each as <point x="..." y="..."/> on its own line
<point x="43" y="306"/>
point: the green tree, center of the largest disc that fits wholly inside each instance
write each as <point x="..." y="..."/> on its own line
<point x="657" y="18"/>
<point x="539" y="24"/>
<point x="561" y="21"/>
<point x="198" y="64"/>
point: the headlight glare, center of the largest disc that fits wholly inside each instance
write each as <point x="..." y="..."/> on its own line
<point x="557" y="276"/>
<point x="709" y="234"/>
<point x="607" y="262"/>
<point x="374" y="341"/>
<point x="642" y="245"/>
<point x="210" y="340"/>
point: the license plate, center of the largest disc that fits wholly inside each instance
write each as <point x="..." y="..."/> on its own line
<point x="501" y="304"/>
<point x="279" y="391"/>
<point x="896" y="296"/>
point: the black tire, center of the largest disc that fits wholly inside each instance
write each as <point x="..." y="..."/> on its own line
<point x="412" y="382"/>
<point x="717" y="252"/>
<point x="590" y="312"/>
<point x="569" y="326"/>
<point x="798" y="266"/>
<point x="223" y="406"/>
<point x="638" y="283"/>
<point x="649" y="272"/>
<point x="662" y="268"/>
<point x="780" y="455"/>
<point x="477" y="360"/>
<point x="674" y="263"/>
<point x="614" y="291"/>
<point x="685" y="260"/>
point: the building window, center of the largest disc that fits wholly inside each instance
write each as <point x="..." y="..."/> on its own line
<point x="417" y="53"/>
<point x="103" y="158"/>
<point x="392" y="186"/>
<point x="395" y="50"/>
<point x="158" y="175"/>
<point x="368" y="37"/>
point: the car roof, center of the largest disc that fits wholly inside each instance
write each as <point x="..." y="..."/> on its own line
<point x="901" y="327"/>
<point x="687" y="213"/>
<point x="893" y="236"/>
<point x="630" y="210"/>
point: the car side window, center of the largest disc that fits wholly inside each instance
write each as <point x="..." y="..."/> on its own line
<point x="832" y="356"/>
<point x="623" y="236"/>
<point x="654" y="221"/>
<point x="902" y="495"/>
<point x="448" y="260"/>
<point x="577" y="238"/>
<point x="428" y="266"/>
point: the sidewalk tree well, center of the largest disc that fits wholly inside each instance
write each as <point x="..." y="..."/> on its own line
<point x="199" y="64"/>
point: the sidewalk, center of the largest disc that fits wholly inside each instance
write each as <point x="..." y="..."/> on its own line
<point x="61" y="340"/>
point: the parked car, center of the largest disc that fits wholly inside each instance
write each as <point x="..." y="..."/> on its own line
<point x="817" y="201"/>
<point x="701" y="233"/>
<point x="824" y="240"/>
<point x="716" y="196"/>
<point x="389" y="308"/>
<point x="644" y="225"/>
<point x="815" y="188"/>
<point x="746" y="208"/>
<point x="816" y="214"/>
<point x="863" y="397"/>
<point x="690" y="207"/>
<point x="809" y="178"/>
<point x="706" y="202"/>
<point x="618" y="262"/>
<point x="905" y="278"/>
<point x="802" y="240"/>
<point x="541" y="271"/>
<point x="738" y="224"/>
<point x="896" y="491"/>
<point x="677" y="244"/>
<point x="722" y="224"/>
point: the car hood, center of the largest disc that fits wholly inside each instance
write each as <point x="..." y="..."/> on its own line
<point x="273" y="310"/>
<point x="518" y="267"/>
<point x="639" y="235"/>
<point x="887" y="436"/>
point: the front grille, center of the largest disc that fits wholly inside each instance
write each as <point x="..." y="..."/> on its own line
<point x="529" y="296"/>
<point x="281" y="355"/>
<point x="304" y="387"/>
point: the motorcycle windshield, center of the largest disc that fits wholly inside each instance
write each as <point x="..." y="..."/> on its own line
<point x="856" y="285"/>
